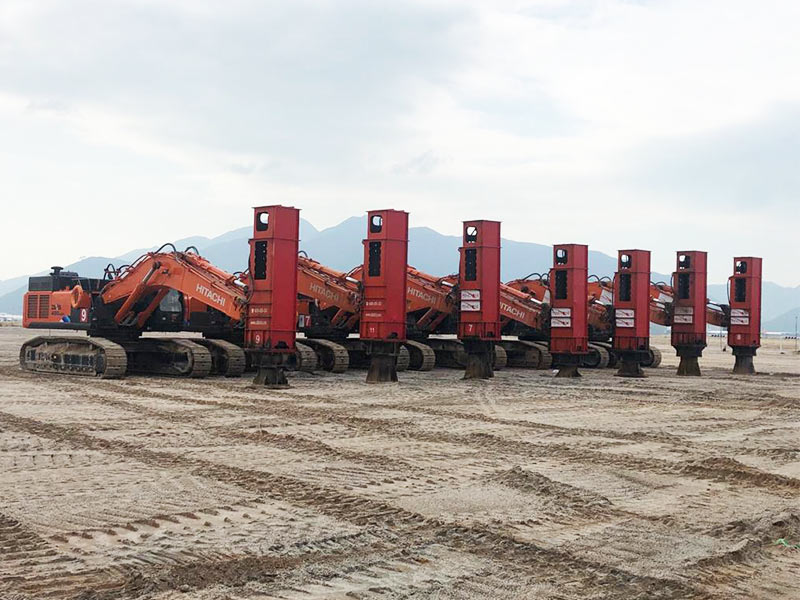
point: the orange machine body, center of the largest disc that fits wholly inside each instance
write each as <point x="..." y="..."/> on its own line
<point x="46" y="307"/>
<point x="332" y="292"/>
<point x="429" y="300"/>
<point x="160" y="272"/>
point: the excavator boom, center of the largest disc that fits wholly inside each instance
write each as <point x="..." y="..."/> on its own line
<point x="184" y="272"/>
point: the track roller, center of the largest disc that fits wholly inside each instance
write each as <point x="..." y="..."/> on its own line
<point x="403" y="358"/>
<point x="421" y="356"/>
<point x="304" y="359"/>
<point x="332" y="357"/>
<point x="449" y="352"/>
<point x="174" y="357"/>
<point x="597" y="358"/>
<point x="653" y="358"/>
<point x="613" y="356"/>
<point x="524" y="354"/>
<point x="227" y="359"/>
<point x="500" y="358"/>
<point x="88" y="356"/>
<point x="545" y="358"/>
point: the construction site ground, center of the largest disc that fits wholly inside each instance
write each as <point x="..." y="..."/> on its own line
<point x="525" y="486"/>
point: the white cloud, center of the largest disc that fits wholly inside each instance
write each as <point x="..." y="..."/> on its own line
<point x="553" y="116"/>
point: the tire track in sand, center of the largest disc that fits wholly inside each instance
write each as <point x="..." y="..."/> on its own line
<point x="412" y="527"/>
<point x="714" y="468"/>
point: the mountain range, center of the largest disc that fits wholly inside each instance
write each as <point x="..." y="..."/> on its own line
<point x="340" y="247"/>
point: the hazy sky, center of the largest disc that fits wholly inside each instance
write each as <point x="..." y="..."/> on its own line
<point x="665" y="125"/>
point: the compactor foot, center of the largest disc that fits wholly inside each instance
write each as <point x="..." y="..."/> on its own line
<point x="689" y="366"/>
<point x="480" y="360"/>
<point x="382" y="368"/>
<point x="271" y="377"/>
<point x="744" y="366"/>
<point x="479" y="366"/>
<point x="568" y="371"/>
<point x="271" y="372"/>
<point x="630" y="367"/>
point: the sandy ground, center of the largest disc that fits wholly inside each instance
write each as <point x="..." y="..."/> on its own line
<point x="522" y="487"/>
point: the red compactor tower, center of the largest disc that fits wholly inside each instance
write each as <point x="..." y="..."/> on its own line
<point x="270" y="321"/>
<point x="632" y="311"/>
<point x="744" y="328"/>
<point x="383" y="311"/>
<point x="479" y="296"/>
<point x="569" y="329"/>
<point x="689" y="320"/>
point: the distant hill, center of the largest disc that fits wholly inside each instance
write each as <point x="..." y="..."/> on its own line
<point x="784" y="323"/>
<point x="340" y="247"/>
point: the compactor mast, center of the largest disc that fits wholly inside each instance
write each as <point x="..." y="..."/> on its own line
<point x="479" y="296"/>
<point x="383" y="314"/>
<point x="631" y="301"/>
<point x="271" y="322"/>
<point x="569" y="332"/>
<point x="689" y="282"/>
<point x="744" y="296"/>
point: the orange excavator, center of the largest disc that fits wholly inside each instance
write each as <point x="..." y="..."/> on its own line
<point x="117" y="309"/>
<point x="242" y="315"/>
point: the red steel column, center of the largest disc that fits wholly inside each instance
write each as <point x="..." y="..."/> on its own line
<point x="569" y="330"/>
<point x="270" y="323"/>
<point x="383" y="312"/>
<point x="744" y="329"/>
<point x="632" y="310"/>
<point x="479" y="290"/>
<point x="689" y="283"/>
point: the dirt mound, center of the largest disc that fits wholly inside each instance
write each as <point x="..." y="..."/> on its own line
<point x="552" y="492"/>
<point x="769" y="526"/>
<point x="724" y="468"/>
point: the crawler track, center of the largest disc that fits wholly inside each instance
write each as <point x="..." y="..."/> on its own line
<point x="331" y="356"/>
<point x="305" y="358"/>
<point x="72" y="355"/>
<point x="421" y="356"/>
<point x="228" y="360"/>
<point x="524" y="354"/>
